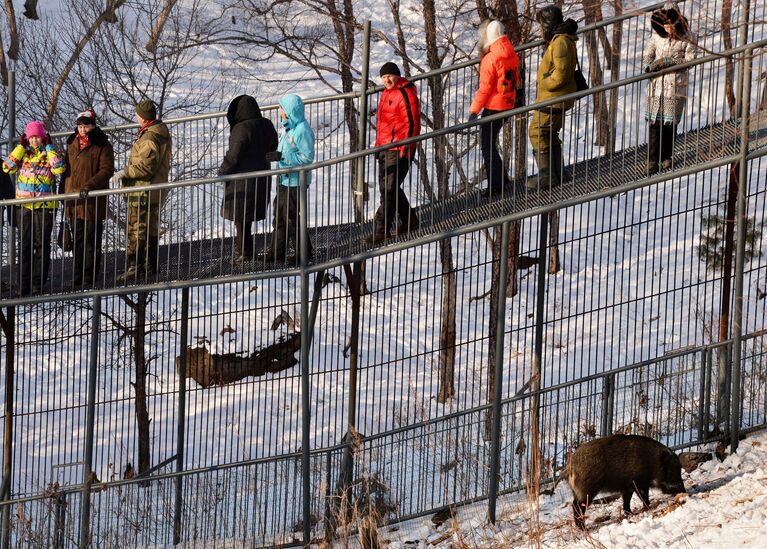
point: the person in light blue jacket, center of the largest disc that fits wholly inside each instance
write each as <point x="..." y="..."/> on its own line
<point x="296" y="148"/>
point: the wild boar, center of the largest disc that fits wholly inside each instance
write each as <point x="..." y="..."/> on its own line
<point x="623" y="464"/>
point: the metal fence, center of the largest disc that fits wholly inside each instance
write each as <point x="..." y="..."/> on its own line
<point x="175" y="411"/>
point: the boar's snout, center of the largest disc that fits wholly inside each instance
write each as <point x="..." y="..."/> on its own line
<point x="673" y="488"/>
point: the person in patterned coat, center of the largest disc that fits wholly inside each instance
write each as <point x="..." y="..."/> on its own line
<point x="671" y="43"/>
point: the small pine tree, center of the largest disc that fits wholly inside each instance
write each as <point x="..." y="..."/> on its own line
<point x="711" y="247"/>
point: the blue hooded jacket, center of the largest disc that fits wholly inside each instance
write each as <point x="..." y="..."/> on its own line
<point x="297" y="141"/>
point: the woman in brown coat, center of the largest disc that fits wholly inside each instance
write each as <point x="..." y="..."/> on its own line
<point x="89" y="165"/>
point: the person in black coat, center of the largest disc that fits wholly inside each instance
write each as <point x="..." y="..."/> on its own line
<point x="246" y="200"/>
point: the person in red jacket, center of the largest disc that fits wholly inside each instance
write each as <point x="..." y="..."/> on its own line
<point x="498" y="81"/>
<point x="398" y="117"/>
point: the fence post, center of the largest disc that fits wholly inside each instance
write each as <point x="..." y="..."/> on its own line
<point x="305" y="386"/>
<point x="740" y="250"/>
<point x="535" y="380"/>
<point x="9" y="329"/>
<point x="181" y="426"/>
<point x="362" y="127"/>
<point x="11" y="134"/>
<point x="85" y="510"/>
<point x="495" y="441"/>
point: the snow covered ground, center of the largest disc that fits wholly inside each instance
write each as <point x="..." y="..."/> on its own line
<point x="726" y="507"/>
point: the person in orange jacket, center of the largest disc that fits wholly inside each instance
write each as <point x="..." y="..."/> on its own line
<point x="498" y="81"/>
<point x="398" y="117"/>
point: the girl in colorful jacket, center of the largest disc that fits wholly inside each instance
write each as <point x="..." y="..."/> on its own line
<point x="296" y="148"/>
<point x="37" y="163"/>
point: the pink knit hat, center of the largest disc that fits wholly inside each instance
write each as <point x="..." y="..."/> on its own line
<point x="36" y="129"/>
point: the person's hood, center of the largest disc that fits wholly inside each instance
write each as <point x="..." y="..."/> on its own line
<point x="242" y="107"/>
<point x="489" y="33"/>
<point x="294" y="108"/>
<point x="569" y="27"/>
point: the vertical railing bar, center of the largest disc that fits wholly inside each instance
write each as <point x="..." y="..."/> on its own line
<point x="181" y="425"/>
<point x="9" y="328"/>
<point x="495" y="442"/>
<point x="90" y="420"/>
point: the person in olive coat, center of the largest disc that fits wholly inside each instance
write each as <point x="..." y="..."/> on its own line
<point x="246" y="200"/>
<point x="89" y="165"/>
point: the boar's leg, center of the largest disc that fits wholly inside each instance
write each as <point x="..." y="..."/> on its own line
<point x="627" y="501"/>
<point x="579" y="513"/>
<point x="643" y="491"/>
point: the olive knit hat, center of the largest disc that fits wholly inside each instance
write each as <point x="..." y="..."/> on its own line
<point x="146" y="110"/>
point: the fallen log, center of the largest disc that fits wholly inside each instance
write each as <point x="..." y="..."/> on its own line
<point x="210" y="369"/>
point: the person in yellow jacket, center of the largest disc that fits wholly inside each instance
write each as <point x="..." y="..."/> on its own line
<point x="148" y="163"/>
<point x="38" y="163"/>
<point x="555" y="78"/>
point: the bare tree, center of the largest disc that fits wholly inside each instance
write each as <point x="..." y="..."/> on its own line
<point x="159" y="25"/>
<point x="13" y="31"/>
<point x="105" y="16"/>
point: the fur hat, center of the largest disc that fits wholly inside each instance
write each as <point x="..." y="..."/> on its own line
<point x="389" y="68"/>
<point x="86" y="117"/>
<point x="36" y="129"/>
<point x="146" y="110"/>
<point x="670" y="16"/>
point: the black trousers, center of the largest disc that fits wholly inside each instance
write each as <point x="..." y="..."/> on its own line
<point x="87" y="250"/>
<point x="285" y="223"/>
<point x="243" y="239"/>
<point x="392" y="170"/>
<point x="488" y="137"/>
<point x="35" y="228"/>
<point x="660" y="144"/>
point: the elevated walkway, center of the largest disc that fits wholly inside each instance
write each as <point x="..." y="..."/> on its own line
<point x="210" y="258"/>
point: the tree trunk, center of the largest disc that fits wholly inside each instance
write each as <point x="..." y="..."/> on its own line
<point x="593" y="13"/>
<point x="3" y="62"/>
<point x="554" y="264"/>
<point x="139" y="386"/>
<point x="515" y="233"/>
<point x="449" y="283"/>
<point x="492" y="329"/>
<point x="729" y="65"/>
<point x="159" y="25"/>
<point x="13" y="31"/>
<point x="615" y="74"/>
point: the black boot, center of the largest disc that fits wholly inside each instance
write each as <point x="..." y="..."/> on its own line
<point x="152" y="255"/>
<point x="560" y="174"/>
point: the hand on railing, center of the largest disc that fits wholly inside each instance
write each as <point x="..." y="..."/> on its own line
<point x="473" y="116"/>
<point x="117" y="179"/>
<point x="273" y="156"/>
<point x="83" y="194"/>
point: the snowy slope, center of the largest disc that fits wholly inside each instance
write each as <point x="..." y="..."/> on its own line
<point x="726" y="507"/>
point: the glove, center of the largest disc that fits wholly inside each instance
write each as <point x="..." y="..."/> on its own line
<point x="660" y="64"/>
<point x="49" y="148"/>
<point x="273" y="156"/>
<point x="473" y="116"/>
<point x="117" y="179"/>
<point x="84" y="194"/>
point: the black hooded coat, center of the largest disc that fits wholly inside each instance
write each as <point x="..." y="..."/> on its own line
<point x="251" y="137"/>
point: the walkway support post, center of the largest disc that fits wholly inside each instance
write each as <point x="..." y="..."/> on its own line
<point x="495" y="438"/>
<point x="740" y="250"/>
<point x="181" y="425"/>
<point x="90" y="420"/>
<point x="305" y="371"/>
